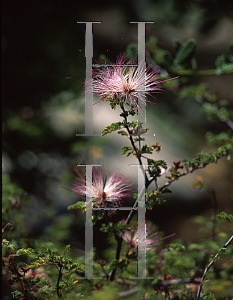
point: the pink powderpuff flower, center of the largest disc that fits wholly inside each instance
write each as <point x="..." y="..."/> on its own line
<point x="152" y="239"/>
<point x="124" y="82"/>
<point x="106" y="189"/>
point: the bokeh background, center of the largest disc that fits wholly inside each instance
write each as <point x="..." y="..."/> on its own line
<point x="42" y="110"/>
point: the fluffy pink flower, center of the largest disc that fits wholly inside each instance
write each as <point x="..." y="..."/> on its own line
<point x="124" y="82"/>
<point x="132" y="239"/>
<point x="106" y="189"/>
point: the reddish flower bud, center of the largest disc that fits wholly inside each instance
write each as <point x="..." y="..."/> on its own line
<point x="102" y="262"/>
<point x="178" y="165"/>
<point x="97" y="287"/>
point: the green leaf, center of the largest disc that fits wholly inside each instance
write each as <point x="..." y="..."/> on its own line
<point x="66" y="249"/>
<point x="177" y="45"/>
<point x="146" y="149"/>
<point x="122" y="132"/>
<point x="138" y="139"/>
<point x="204" y="159"/>
<point x="167" y="59"/>
<point x="193" y="91"/>
<point x="112" y="127"/>
<point x="185" y="53"/>
<point x="104" y="58"/>
<point x="226" y="216"/>
<point x="153" y="198"/>
<point x="220" y="60"/>
<point x="16" y="294"/>
<point x="166" y="190"/>
<point x="124" y="150"/>
<point x="132" y="50"/>
<point x="25" y="251"/>
<point x="223" y="102"/>
<point x="79" y="204"/>
<point x="224" y="68"/>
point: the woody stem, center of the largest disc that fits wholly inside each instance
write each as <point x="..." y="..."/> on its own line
<point x="147" y="183"/>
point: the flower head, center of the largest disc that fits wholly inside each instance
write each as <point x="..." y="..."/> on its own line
<point x="124" y="81"/>
<point x="106" y="189"/>
<point x="137" y="238"/>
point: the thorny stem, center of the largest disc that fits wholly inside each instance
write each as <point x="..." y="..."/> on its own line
<point x="169" y="182"/>
<point x="166" y="283"/>
<point x="147" y="183"/>
<point x="230" y="241"/>
<point x="21" y="283"/>
<point x="58" y="280"/>
<point x="19" y="276"/>
<point x="131" y="139"/>
<point x="166" y="289"/>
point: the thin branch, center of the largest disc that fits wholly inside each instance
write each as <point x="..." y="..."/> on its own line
<point x="166" y="283"/>
<point x="119" y="238"/>
<point x="58" y="281"/>
<point x="131" y="139"/>
<point x="118" y="252"/>
<point x="169" y="182"/>
<point x="130" y="215"/>
<point x="210" y="265"/>
<point x="13" y="267"/>
<point x="181" y="175"/>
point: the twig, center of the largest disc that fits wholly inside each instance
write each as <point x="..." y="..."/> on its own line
<point x="210" y="265"/>
<point x="131" y="139"/>
<point x="166" y="283"/>
<point x="176" y="178"/>
<point x="117" y="256"/>
<point x="147" y="183"/>
<point x="25" y="286"/>
<point x="169" y="182"/>
<point x="58" y="281"/>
